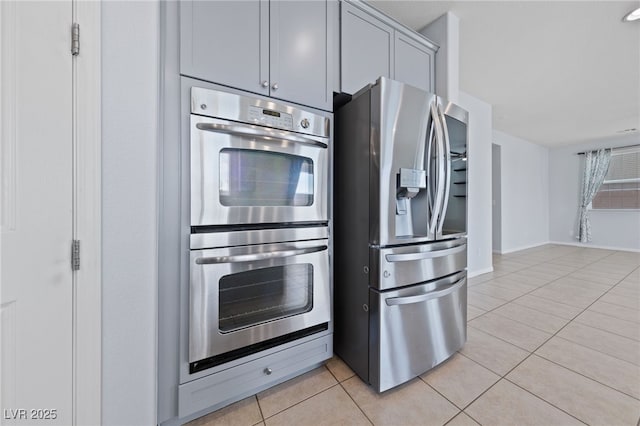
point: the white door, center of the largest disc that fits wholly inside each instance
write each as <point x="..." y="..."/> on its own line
<point x="36" y="306"/>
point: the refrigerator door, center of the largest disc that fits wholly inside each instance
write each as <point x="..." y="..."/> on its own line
<point x="402" y="119"/>
<point x="395" y="267"/>
<point x="415" y="328"/>
<point x="452" y="220"/>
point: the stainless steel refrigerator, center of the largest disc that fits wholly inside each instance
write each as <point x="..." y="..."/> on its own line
<point x="400" y="222"/>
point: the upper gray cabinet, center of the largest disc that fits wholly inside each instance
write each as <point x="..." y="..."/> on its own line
<point x="373" y="45"/>
<point x="226" y="42"/>
<point x="366" y="48"/>
<point x="276" y="48"/>
<point x="298" y="40"/>
<point x="414" y="62"/>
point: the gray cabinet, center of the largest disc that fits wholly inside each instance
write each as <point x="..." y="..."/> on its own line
<point x="273" y="48"/>
<point x="366" y="49"/>
<point x="414" y="62"/>
<point x="226" y="42"/>
<point x="298" y="62"/>
<point x="373" y="45"/>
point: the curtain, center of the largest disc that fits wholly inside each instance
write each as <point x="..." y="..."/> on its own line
<point x="596" y="165"/>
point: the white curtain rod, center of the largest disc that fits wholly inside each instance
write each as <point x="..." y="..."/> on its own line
<point x="612" y="149"/>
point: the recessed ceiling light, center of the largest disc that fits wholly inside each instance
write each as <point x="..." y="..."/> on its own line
<point x="634" y="15"/>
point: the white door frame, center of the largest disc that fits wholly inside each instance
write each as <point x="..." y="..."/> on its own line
<point x="87" y="282"/>
<point x="87" y="323"/>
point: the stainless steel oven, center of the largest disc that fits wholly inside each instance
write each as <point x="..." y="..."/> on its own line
<point x="254" y="161"/>
<point x="257" y="289"/>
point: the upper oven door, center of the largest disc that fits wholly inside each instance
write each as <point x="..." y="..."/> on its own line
<point x="249" y="174"/>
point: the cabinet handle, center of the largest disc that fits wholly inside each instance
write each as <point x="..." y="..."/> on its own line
<point x="268" y="371"/>
<point x="265" y="84"/>
<point x="275" y="86"/>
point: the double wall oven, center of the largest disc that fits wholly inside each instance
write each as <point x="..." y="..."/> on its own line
<point x="259" y="243"/>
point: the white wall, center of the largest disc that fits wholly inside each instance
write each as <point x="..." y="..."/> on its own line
<point x="525" y="192"/>
<point x="479" y="184"/>
<point x="496" y="203"/>
<point x="130" y="36"/>
<point x="445" y="32"/>
<point x="613" y="229"/>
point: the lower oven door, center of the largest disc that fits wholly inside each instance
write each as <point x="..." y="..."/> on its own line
<point x="415" y="328"/>
<point x="241" y="296"/>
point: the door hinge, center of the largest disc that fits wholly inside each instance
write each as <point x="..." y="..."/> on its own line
<point x="75" y="255"/>
<point x="75" y="39"/>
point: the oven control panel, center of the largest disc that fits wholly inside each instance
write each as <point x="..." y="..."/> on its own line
<point x="271" y="118"/>
<point x="261" y="111"/>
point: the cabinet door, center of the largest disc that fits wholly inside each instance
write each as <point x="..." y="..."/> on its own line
<point x="414" y="63"/>
<point x="226" y="42"/>
<point x="367" y="49"/>
<point x="299" y="53"/>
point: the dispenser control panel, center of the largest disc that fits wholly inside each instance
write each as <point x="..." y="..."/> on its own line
<point x="413" y="178"/>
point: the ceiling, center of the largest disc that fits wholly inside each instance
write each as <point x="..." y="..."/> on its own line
<point x="555" y="72"/>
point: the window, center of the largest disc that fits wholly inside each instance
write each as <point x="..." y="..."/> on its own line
<point x="621" y="187"/>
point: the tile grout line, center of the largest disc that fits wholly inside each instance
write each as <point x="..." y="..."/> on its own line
<point x="553" y="335"/>
<point x="562" y="328"/>
<point x="544" y="400"/>
<point x="560" y="337"/>
<point x="301" y="401"/>
<point x="527" y="294"/>
<point x="580" y="374"/>
<point x="504" y="377"/>
<point x="260" y="408"/>
<point x="354" y="401"/>
<point x="544" y="285"/>
<point x="347" y="392"/>
<point x="442" y="395"/>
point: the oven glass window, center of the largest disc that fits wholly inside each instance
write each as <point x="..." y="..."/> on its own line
<point x="254" y="297"/>
<point x="263" y="178"/>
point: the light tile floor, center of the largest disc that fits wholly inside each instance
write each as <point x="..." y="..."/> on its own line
<point x="553" y="339"/>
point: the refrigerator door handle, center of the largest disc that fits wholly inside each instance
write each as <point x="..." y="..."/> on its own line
<point x="395" y="301"/>
<point x="447" y="166"/>
<point x="405" y="257"/>
<point x="440" y="172"/>
<point x="430" y="198"/>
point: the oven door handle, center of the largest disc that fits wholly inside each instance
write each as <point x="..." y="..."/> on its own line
<point x="268" y="135"/>
<point x="425" y="254"/>
<point x="240" y="258"/>
<point x="394" y="301"/>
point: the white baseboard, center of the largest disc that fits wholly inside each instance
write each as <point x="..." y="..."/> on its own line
<point x="471" y="274"/>
<point x="512" y="250"/>
<point x="588" y="245"/>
